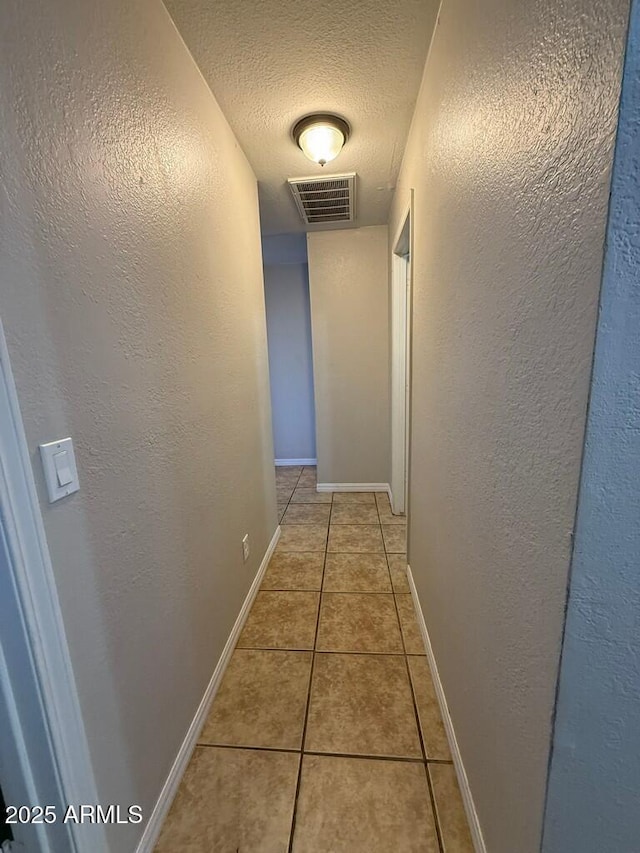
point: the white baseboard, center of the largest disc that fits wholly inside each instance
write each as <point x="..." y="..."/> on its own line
<point x="170" y="787"/>
<point x="353" y="487"/>
<point x="281" y="462"/>
<point x="463" y="782"/>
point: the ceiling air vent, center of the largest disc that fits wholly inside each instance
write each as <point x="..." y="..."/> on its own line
<point x="330" y="199"/>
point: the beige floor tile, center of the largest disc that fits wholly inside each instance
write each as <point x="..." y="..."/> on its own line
<point x="230" y="800"/>
<point x="363" y="806"/>
<point x="307" y="514"/>
<point x="362" y="705"/>
<point x="398" y="570"/>
<point x="384" y="510"/>
<point x="281" y="620"/>
<point x="354" y="513"/>
<point x="286" y="486"/>
<point x="355" y="539"/>
<point x="286" y="483"/>
<point x="454" y="828"/>
<point x="411" y="635"/>
<point x="310" y="496"/>
<point x="283" y="494"/>
<point x="434" y="738"/>
<point x="356" y="573"/>
<point x="302" y="537"/>
<point x="395" y="538"/>
<point x="262" y="700"/>
<point x="294" y="570"/>
<point x="281" y="510"/>
<point x="288" y="472"/>
<point x="354" y="497"/>
<point x="358" y="622"/>
<point x="392" y="520"/>
<point x="308" y="478"/>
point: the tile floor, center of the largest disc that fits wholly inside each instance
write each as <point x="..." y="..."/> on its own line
<point x="325" y="734"/>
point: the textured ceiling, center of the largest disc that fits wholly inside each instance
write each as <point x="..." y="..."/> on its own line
<point x="269" y="62"/>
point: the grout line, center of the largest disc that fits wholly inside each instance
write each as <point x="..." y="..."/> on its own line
<point x="362" y="553"/>
<point x="280" y="521"/>
<point x="436" y="822"/>
<point x="434" y="808"/>
<point x="432" y="795"/>
<point x="424" y="753"/>
<point x="401" y="758"/>
<point x="405" y="759"/>
<point x="340" y="523"/>
<point x="274" y="648"/>
<point x="353" y="592"/>
<point x="395" y="604"/>
<point x="271" y="648"/>
<point x="249" y="748"/>
<point x="306" y="711"/>
<point x="327" y="591"/>
<point x="349" y="553"/>
<point x="306" y="551"/>
<point x="322" y="651"/>
<point x="293" y="588"/>
<point x="356" y="524"/>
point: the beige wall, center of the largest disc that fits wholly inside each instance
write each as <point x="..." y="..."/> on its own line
<point x="132" y="299"/>
<point x="350" y="328"/>
<point x="510" y="156"/>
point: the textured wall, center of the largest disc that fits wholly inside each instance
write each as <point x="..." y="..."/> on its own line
<point x="132" y="298"/>
<point x="510" y="155"/>
<point x="286" y="288"/>
<point x="350" y="322"/>
<point x="595" y="776"/>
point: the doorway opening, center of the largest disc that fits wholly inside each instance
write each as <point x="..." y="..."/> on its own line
<point x="288" y="312"/>
<point x="401" y="275"/>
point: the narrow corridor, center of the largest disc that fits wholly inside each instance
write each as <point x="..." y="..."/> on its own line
<point x="325" y="734"/>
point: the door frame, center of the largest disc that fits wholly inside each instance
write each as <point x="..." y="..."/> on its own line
<point x="44" y="739"/>
<point x="401" y="302"/>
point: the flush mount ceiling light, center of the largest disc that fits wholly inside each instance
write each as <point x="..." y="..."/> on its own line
<point x="321" y="136"/>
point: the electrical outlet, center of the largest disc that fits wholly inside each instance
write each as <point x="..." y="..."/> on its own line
<point x="245" y="547"/>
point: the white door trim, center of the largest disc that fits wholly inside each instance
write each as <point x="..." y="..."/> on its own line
<point x="401" y="284"/>
<point x="43" y="635"/>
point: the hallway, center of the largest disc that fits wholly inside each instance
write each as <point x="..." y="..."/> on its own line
<point x="330" y="669"/>
<point x="400" y="242"/>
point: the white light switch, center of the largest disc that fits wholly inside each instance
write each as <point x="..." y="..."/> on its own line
<point x="61" y="464"/>
<point x="60" y="472"/>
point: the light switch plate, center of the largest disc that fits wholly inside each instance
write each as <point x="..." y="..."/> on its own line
<point x="60" y="472"/>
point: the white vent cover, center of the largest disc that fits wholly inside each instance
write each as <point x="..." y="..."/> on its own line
<point x="330" y="199"/>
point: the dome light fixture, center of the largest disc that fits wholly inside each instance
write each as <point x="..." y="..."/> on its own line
<point x="321" y="136"/>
